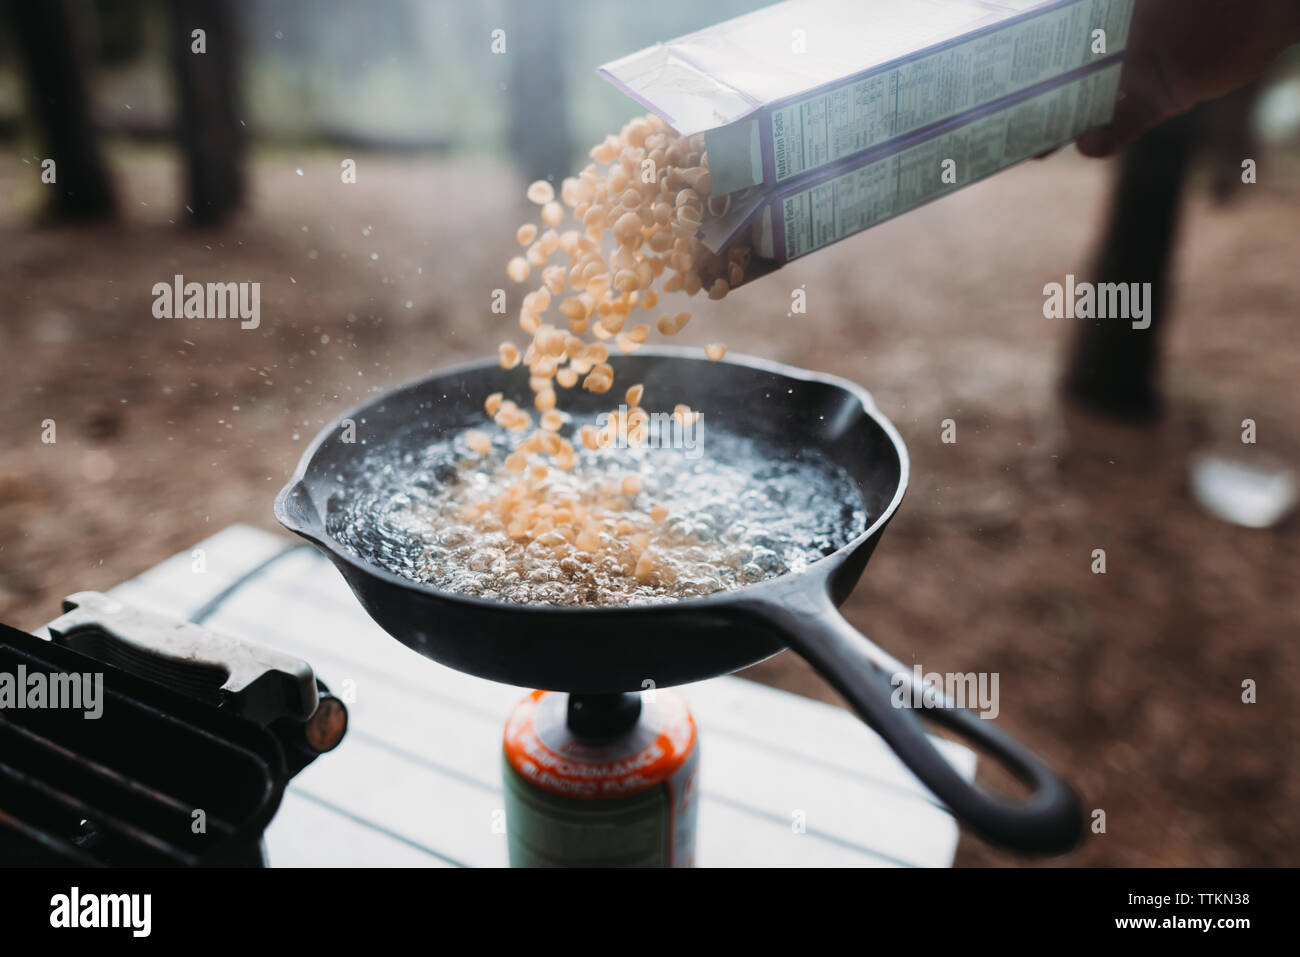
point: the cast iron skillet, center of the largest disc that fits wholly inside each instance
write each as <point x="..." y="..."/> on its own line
<point x="603" y="650"/>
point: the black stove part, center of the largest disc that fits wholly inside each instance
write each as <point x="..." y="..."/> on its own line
<point x="325" y="729"/>
<point x="598" y="717"/>
<point x="249" y="679"/>
<point x="237" y="675"/>
<point x="124" y="789"/>
<point x="303" y="741"/>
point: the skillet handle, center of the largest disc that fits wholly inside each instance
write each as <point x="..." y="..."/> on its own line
<point x="1050" y="821"/>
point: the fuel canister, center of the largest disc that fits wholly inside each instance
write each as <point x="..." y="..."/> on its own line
<point x="601" y="781"/>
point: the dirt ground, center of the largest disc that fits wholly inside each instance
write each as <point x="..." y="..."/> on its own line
<point x="168" y="430"/>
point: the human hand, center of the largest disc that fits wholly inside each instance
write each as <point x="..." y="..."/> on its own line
<point x="1184" y="52"/>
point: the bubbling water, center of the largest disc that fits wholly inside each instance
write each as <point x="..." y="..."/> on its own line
<point x="745" y="512"/>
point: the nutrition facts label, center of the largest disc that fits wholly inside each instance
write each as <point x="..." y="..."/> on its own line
<point x="820" y="215"/>
<point x="850" y="119"/>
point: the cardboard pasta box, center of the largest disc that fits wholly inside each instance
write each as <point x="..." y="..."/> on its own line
<point x="822" y="118"/>
<point x="795" y="220"/>
<point x="792" y="88"/>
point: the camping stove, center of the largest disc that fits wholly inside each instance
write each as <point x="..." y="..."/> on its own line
<point x="133" y="738"/>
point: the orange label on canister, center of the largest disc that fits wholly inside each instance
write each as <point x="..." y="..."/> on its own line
<point x="540" y="747"/>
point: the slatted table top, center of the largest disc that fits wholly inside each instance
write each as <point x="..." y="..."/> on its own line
<point x="417" y="780"/>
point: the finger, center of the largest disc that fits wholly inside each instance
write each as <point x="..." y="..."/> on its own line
<point x="1134" y="116"/>
<point x="1098" y="143"/>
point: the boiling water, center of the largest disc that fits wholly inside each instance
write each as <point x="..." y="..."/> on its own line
<point x="742" y="512"/>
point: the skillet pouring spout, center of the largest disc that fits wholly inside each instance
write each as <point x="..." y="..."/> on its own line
<point x="602" y="649"/>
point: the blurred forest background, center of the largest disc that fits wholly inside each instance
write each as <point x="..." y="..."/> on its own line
<point x="1071" y="436"/>
<point x="391" y="75"/>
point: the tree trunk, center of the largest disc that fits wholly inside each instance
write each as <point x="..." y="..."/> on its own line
<point x="211" y="137"/>
<point x="55" y="69"/>
<point x="540" y="138"/>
